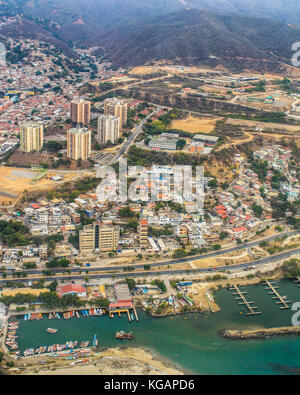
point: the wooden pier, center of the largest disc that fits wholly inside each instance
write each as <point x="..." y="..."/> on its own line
<point x="128" y="315"/>
<point x="119" y="311"/>
<point x="272" y="288"/>
<point x="244" y="301"/>
<point x="135" y="313"/>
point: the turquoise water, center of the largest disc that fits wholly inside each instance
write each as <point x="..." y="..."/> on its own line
<point x="191" y="341"/>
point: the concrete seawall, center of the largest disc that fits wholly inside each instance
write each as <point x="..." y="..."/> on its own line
<point x="260" y="334"/>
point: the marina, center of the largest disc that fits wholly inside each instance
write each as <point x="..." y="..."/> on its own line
<point x="192" y="341"/>
<point x="280" y="299"/>
<point x="248" y="304"/>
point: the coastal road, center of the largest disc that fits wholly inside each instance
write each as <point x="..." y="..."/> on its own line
<point x="174" y="261"/>
<point x="210" y="270"/>
<point x="239" y="266"/>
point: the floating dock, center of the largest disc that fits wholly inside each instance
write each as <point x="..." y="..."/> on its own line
<point x="244" y="301"/>
<point x="281" y="300"/>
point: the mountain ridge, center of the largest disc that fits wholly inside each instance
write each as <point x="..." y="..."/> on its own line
<point x="202" y="35"/>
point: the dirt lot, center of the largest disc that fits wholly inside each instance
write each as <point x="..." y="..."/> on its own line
<point x="265" y="125"/>
<point x="19" y="158"/>
<point x="195" y="125"/>
<point x="143" y="70"/>
<point x="218" y="170"/>
<point x="13" y="181"/>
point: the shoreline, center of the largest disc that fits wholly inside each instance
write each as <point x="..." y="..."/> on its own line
<point x="116" y="360"/>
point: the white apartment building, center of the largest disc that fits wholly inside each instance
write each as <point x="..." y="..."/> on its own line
<point x="108" y="129"/>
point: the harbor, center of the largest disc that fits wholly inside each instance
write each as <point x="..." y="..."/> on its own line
<point x="244" y="301"/>
<point x="11" y="341"/>
<point x="279" y="299"/>
<point x="191" y="341"/>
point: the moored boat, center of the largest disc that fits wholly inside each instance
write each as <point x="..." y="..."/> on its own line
<point x="124" y="335"/>
<point x="51" y="330"/>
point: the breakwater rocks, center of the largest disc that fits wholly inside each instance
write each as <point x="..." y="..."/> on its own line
<point x="260" y="334"/>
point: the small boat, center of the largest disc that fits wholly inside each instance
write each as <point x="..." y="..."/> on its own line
<point x="14" y="346"/>
<point x="77" y="314"/>
<point x="51" y="330"/>
<point x="124" y="335"/>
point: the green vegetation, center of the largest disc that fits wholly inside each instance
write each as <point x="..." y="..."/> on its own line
<point x="126" y="212"/>
<point x="258" y="210"/>
<point x="139" y="157"/>
<point x="291" y="269"/>
<point x="14" y="233"/>
<point x="179" y="253"/>
<point x="258" y="87"/>
<point x="29" y="265"/>
<point x="259" y="167"/>
<point x="273" y="117"/>
<point x="69" y="192"/>
<point x="157" y="232"/>
<point x="58" y="262"/>
<point x="131" y="283"/>
<point x="160" y="284"/>
<point x="53" y="146"/>
<point x="180" y="144"/>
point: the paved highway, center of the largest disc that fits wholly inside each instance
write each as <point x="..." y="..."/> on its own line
<point x="174" y="261"/>
<point x="260" y="262"/>
<point x="34" y="273"/>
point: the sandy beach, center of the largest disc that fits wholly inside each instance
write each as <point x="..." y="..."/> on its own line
<point x="115" y="361"/>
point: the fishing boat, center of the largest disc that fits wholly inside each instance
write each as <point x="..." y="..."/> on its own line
<point x="51" y="330"/>
<point x="14" y="347"/>
<point x="124" y="335"/>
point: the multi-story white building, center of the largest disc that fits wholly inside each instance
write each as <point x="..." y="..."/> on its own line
<point x="79" y="143"/>
<point x="116" y="107"/>
<point x="31" y="136"/>
<point x="108" y="129"/>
